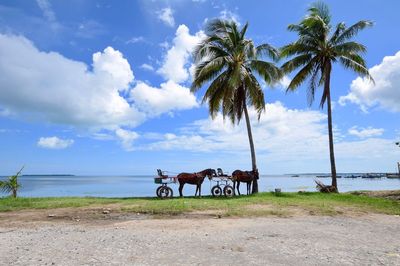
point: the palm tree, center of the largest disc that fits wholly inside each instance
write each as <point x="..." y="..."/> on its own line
<point x="229" y="64"/>
<point x="315" y="51"/>
<point x="11" y="185"/>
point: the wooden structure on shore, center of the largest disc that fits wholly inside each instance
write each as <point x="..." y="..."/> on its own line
<point x="394" y="175"/>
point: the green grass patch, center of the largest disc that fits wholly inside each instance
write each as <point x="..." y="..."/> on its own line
<point x="262" y="204"/>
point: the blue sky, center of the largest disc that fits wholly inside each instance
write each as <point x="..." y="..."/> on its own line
<point x="101" y="87"/>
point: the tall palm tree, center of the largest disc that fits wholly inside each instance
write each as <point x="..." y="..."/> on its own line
<point x="229" y="64"/>
<point x="317" y="48"/>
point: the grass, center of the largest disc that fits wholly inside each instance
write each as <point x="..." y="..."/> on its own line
<point x="262" y="204"/>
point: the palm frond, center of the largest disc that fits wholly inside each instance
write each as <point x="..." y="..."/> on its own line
<point x="357" y="64"/>
<point x="268" y="71"/>
<point x="267" y="50"/>
<point x="302" y="75"/>
<point x="206" y="71"/>
<point x="296" y="62"/>
<point x="353" y="30"/>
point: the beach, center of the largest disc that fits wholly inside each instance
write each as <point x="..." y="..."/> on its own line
<point x="364" y="239"/>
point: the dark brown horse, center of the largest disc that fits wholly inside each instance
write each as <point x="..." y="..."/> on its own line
<point x="245" y="177"/>
<point x="194" y="179"/>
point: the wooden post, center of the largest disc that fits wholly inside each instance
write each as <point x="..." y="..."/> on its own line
<point x="398" y="166"/>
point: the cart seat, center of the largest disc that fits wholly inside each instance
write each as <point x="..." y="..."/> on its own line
<point x="161" y="174"/>
<point x="220" y="172"/>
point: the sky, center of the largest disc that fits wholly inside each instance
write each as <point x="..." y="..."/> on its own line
<point x="103" y="88"/>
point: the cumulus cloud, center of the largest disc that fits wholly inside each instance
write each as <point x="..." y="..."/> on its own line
<point x="285" y="139"/>
<point x="169" y="97"/>
<point x="281" y="130"/>
<point x="54" y="143"/>
<point x="127" y="138"/>
<point x="46" y="86"/>
<point x="366" y="132"/>
<point x="385" y="93"/>
<point x="49" y="87"/>
<point x="175" y="65"/>
<point x="166" y="15"/>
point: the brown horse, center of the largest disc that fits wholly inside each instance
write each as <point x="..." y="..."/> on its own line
<point x="245" y="177"/>
<point x="194" y="179"/>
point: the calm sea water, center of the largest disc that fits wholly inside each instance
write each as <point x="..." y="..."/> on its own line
<point x="143" y="186"/>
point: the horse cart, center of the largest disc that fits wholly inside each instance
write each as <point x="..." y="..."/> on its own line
<point x="220" y="182"/>
<point x="164" y="191"/>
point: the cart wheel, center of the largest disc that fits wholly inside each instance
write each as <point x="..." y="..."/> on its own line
<point x="158" y="191"/>
<point x="216" y="191"/>
<point x="228" y="191"/>
<point x="170" y="192"/>
<point x="166" y="192"/>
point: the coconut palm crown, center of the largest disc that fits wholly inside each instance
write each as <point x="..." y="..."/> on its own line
<point x="317" y="48"/>
<point x="229" y="64"/>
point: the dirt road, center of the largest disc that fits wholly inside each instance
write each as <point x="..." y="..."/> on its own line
<point x="306" y="240"/>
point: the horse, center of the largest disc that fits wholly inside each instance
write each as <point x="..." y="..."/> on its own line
<point x="245" y="177"/>
<point x="194" y="179"/>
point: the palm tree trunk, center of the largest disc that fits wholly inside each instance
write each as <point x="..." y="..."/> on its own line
<point x="330" y="131"/>
<point x="252" y="150"/>
<point x="14" y="193"/>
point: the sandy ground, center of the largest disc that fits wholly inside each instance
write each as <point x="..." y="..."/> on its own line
<point x="140" y="240"/>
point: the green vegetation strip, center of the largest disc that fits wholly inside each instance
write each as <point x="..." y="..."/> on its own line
<point x="262" y="204"/>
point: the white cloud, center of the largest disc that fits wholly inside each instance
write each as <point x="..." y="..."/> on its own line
<point x="229" y="15"/>
<point x="286" y="140"/>
<point x="54" y="143"/>
<point x="169" y="97"/>
<point x="166" y="16"/>
<point x="175" y="65"/>
<point x="135" y="40"/>
<point x="48" y="12"/>
<point x="126" y="138"/>
<point x="281" y="130"/>
<point x="49" y="87"/>
<point x="285" y="82"/>
<point x="366" y="132"/>
<point x="385" y="93"/>
<point x="147" y="67"/>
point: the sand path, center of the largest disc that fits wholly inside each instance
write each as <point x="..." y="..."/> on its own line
<point x="305" y="240"/>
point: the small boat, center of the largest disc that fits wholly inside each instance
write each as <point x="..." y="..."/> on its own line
<point x="295" y="175"/>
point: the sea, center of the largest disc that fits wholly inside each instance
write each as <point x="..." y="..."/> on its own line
<point x="144" y="186"/>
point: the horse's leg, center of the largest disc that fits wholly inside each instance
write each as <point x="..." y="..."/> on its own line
<point x="248" y="187"/>
<point x="238" y="187"/>
<point x="180" y="189"/>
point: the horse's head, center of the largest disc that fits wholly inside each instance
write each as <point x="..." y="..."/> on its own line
<point x="209" y="173"/>
<point x="254" y="173"/>
<point x="214" y="173"/>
